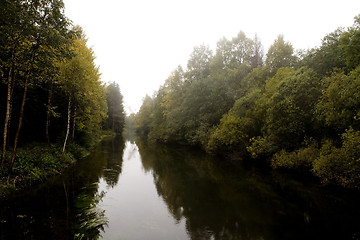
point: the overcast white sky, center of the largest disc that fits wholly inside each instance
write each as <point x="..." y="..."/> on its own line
<point x="138" y="43"/>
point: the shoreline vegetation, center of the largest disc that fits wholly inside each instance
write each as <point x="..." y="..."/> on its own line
<point x="292" y="110"/>
<point x="297" y="110"/>
<point x="53" y="105"/>
<point x="36" y="162"/>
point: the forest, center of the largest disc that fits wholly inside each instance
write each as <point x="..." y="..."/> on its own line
<point x="53" y="104"/>
<point x="291" y="109"/>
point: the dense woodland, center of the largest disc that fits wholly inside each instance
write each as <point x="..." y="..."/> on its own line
<point x="50" y="88"/>
<point x="292" y="109"/>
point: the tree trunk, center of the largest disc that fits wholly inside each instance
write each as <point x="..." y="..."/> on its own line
<point x="11" y="103"/>
<point x="113" y="120"/>
<point x="74" y="123"/>
<point x="48" y="114"/>
<point x="22" y="108"/>
<point x="7" y="115"/>
<point x="68" y="124"/>
<point x="20" y="121"/>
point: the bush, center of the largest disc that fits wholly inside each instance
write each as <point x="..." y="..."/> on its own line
<point x="260" y="147"/>
<point x="35" y="163"/>
<point x="340" y="165"/>
<point x="300" y="159"/>
<point x="232" y="135"/>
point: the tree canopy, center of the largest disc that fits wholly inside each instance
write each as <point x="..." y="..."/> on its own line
<point x="294" y="111"/>
<point x="50" y="85"/>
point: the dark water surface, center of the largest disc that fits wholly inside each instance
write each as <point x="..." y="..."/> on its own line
<point x="128" y="191"/>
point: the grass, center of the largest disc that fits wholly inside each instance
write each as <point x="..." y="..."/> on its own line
<point x="34" y="163"/>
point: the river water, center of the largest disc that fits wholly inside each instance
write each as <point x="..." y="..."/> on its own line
<point x="133" y="191"/>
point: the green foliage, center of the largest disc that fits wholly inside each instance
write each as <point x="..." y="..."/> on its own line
<point x="34" y="164"/>
<point x="328" y="56"/>
<point x="238" y="126"/>
<point x="79" y="151"/>
<point x="350" y="45"/>
<point x="340" y="165"/>
<point x="231" y="135"/>
<point x="272" y="83"/>
<point x="260" y="147"/>
<point x="144" y="116"/>
<point x="116" y="114"/>
<point x="198" y="64"/>
<point x="280" y="55"/>
<point x="80" y="80"/>
<point x="339" y="105"/>
<point x="46" y="59"/>
<point x="290" y="114"/>
<point x="302" y="158"/>
<point x="91" y="220"/>
<point x="231" y="104"/>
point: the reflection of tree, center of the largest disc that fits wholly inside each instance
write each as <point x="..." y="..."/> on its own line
<point x="105" y="161"/>
<point x="91" y="219"/>
<point x="224" y="202"/>
<point x="114" y="154"/>
<point x="65" y="205"/>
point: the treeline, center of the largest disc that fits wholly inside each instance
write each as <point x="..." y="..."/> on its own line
<point x="50" y="86"/>
<point x="297" y="110"/>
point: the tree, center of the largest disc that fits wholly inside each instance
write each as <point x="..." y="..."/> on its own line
<point x="349" y="45"/>
<point x="144" y="116"/>
<point x="339" y="104"/>
<point x="241" y="50"/>
<point x="280" y="54"/>
<point x="80" y="81"/>
<point x="340" y="164"/>
<point x="198" y="66"/>
<point x="36" y="27"/>
<point x="238" y="51"/>
<point x="257" y="56"/>
<point x="116" y="115"/>
<point x="291" y="109"/>
<point x="173" y="88"/>
<point x="236" y="127"/>
<point x="326" y="57"/>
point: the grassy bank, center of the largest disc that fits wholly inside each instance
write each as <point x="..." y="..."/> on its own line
<point x="35" y="162"/>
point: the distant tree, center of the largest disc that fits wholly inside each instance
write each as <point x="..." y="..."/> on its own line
<point x="280" y="54"/>
<point x="144" y="116"/>
<point x="238" y="51"/>
<point x="198" y="65"/>
<point x="116" y="114"/>
<point x="241" y="49"/>
<point x="350" y="45"/>
<point x="326" y="57"/>
<point x="257" y="56"/>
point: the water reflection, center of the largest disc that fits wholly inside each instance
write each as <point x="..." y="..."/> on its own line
<point x="65" y="206"/>
<point x="91" y="219"/>
<point x="134" y="208"/>
<point x="114" y="161"/>
<point x="226" y="202"/>
<point x="147" y="191"/>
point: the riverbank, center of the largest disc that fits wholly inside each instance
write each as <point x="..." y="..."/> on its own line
<point x="36" y="162"/>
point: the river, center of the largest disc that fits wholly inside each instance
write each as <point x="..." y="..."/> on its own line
<point x="133" y="191"/>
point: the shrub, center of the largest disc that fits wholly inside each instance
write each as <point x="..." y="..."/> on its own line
<point x="340" y="165"/>
<point x="300" y="159"/>
<point x="260" y="147"/>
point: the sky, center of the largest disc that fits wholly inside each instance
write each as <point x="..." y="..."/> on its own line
<point x="138" y="43"/>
